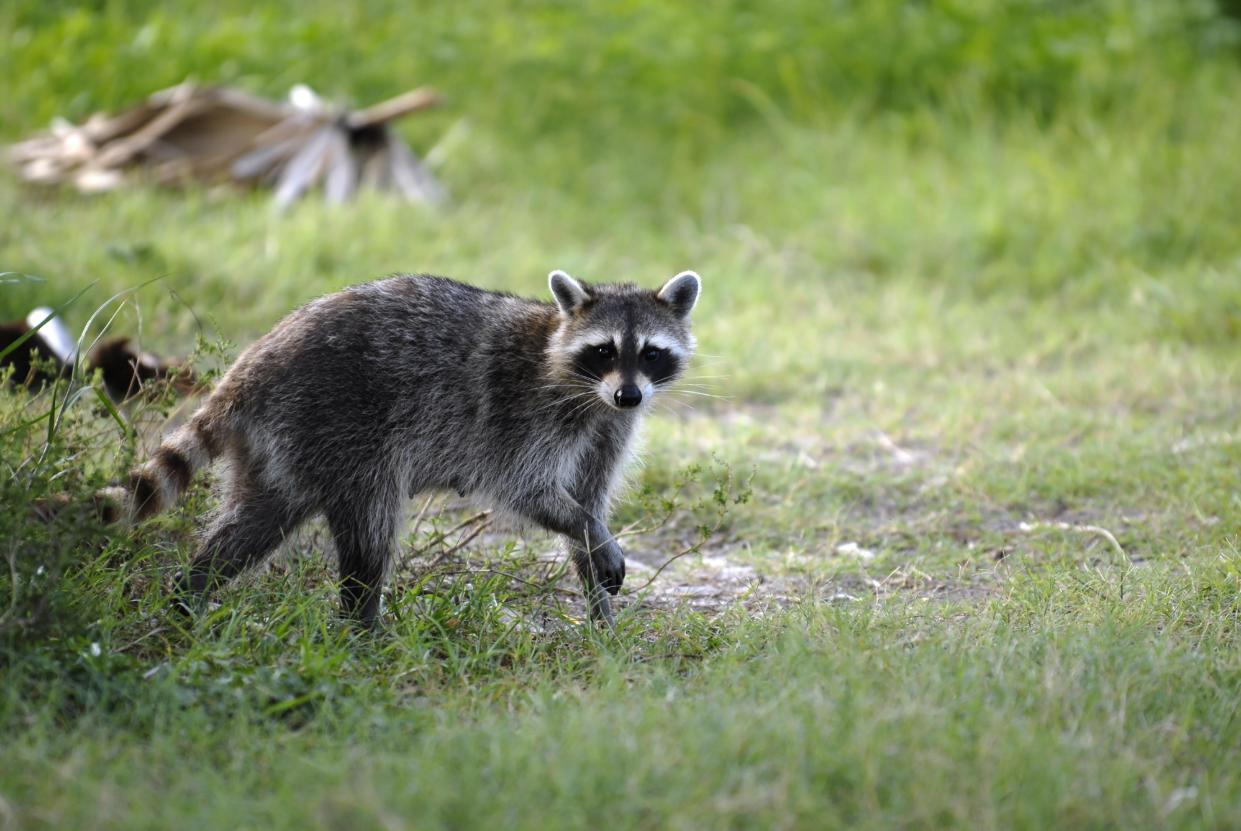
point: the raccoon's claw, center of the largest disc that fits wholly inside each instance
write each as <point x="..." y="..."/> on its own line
<point x="599" y="607"/>
<point x="184" y="599"/>
<point x="181" y="595"/>
<point x="610" y="569"/>
<point x="613" y="584"/>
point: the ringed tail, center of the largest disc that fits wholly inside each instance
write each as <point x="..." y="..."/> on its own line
<point x="156" y="485"/>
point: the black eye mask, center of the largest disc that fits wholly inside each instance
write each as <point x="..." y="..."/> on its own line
<point x="594" y="362"/>
<point x="658" y="364"/>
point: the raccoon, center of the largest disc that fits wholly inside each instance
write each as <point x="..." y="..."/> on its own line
<point x="360" y="400"/>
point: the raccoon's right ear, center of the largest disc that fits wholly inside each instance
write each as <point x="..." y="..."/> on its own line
<point x="569" y="293"/>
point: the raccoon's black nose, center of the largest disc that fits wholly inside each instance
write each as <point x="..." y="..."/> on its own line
<point x="628" y="396"/>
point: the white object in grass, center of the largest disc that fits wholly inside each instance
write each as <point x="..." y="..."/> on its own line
<point x="54" y="333"/>
<point x="852" y="549"/>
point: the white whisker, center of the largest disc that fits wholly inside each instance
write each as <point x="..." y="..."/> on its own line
<point x="703" y="394"/>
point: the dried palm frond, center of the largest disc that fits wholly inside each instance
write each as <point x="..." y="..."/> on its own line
<point x="190" y="133"/>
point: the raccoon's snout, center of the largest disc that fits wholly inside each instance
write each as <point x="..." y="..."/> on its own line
<point x="628" y="396"/>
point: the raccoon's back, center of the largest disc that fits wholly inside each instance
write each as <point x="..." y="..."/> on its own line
<point x="369" y="362"/>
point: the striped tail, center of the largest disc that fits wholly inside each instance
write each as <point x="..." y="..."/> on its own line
<point x="156" y="485"/>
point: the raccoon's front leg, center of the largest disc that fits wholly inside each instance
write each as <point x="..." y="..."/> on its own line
<point x="597" y="556"/>
<point x="601" y="568"/>
<point x="600" y="562"/>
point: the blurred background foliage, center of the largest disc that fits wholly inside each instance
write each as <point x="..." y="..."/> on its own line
<point x="607" y="73"/>
<point x="1082" y="151"/>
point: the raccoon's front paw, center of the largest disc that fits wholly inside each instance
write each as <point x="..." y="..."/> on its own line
<point x="609" y="565"/>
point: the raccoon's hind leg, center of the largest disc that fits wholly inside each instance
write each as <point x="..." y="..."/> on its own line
<point x="251" y="525"/>
<point x="364" y="527"/>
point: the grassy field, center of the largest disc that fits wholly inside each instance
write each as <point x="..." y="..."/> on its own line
<point x="963" y="503"/>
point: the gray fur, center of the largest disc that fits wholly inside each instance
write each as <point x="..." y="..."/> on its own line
<point x="360" y="400"/>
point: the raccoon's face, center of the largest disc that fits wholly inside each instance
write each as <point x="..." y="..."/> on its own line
<point x="621" y="342"/>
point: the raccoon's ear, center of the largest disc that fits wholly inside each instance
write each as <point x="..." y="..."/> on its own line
<point x="569" y="293"/>
<point x="681" y="292"/>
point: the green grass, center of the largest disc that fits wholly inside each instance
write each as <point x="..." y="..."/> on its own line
<point x="972" y="284"/>
<point x="1065" y="700"/>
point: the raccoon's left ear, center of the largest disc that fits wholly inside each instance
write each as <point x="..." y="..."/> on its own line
<point x="569" y="293"/>
<point x="681" y="292"/>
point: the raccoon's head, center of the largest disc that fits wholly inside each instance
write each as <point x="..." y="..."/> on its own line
<point x="622" y="342"/>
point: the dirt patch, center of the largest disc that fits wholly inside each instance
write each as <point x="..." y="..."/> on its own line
<point x="722" y="575"/>
<point x="896" y="540"/>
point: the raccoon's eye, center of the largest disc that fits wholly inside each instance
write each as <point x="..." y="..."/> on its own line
<point x="605" y="350"/>
<point x="652" y="354"/>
